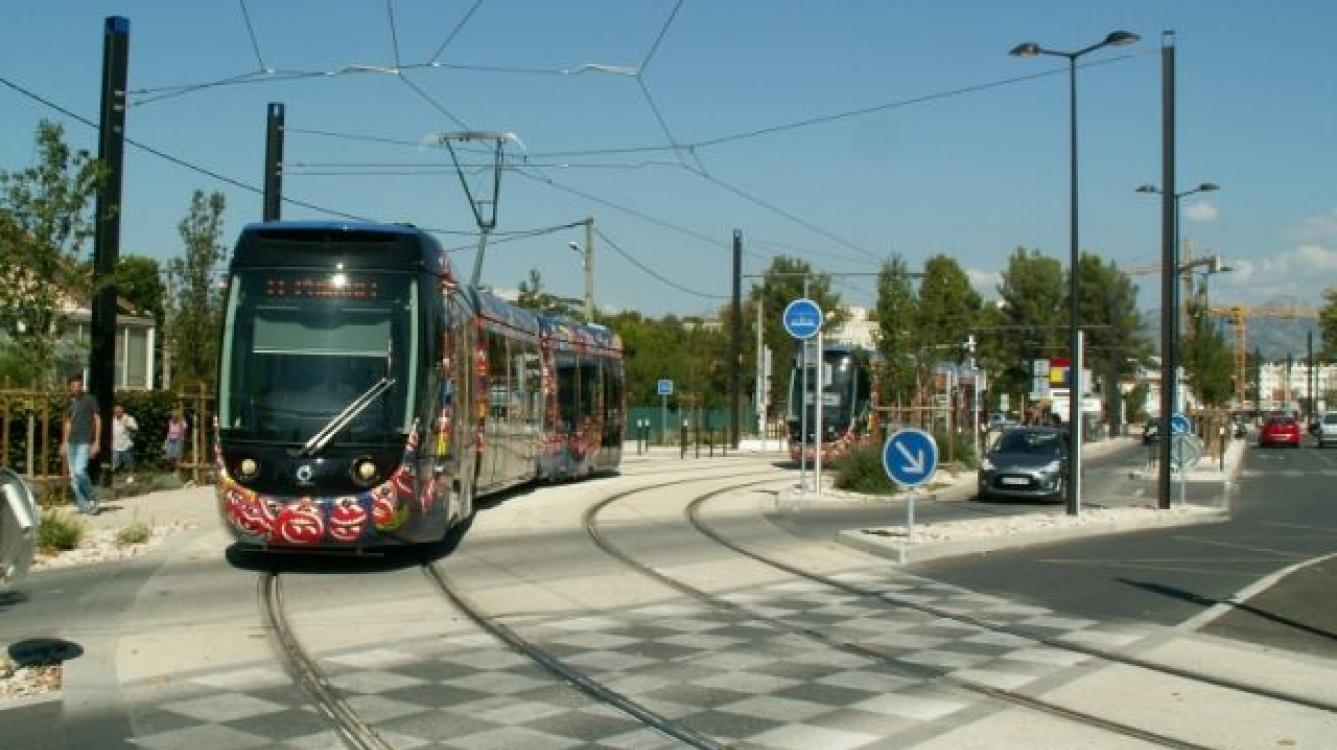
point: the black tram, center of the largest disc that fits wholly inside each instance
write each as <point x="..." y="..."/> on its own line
<point x="366" y="397"/>
<point x="847" y="399"/>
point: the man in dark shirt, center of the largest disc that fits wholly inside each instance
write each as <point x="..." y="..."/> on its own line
<point x="79" y="442"/>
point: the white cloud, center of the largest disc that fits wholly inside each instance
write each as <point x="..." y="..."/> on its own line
<point x="984" y="282"/>
<point x="1300" y="273"/>
<point x="1318" y="229"/>
<point x="1202" y="211"/>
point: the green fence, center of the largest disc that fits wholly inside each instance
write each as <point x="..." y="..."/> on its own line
<point x="663" y="427"/>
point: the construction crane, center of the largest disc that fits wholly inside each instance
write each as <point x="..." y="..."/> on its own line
<point x="1209" y="263"/>
<point x="1237" y="315"/>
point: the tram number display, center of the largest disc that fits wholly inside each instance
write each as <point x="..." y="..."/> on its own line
<point x="334" y="286"/>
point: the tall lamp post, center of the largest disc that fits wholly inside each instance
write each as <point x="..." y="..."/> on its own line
<point x="1031" y="49"/>
<point x="1173" y="312"/>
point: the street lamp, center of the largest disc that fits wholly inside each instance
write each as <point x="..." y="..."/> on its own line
<point x="1205" y="187"/>
<point x="1173" y="312"/>
<point x="1031" y="49"/>
<point x="587" y="265"/>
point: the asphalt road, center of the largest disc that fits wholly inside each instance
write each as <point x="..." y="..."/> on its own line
<point x="1283" y="515"/>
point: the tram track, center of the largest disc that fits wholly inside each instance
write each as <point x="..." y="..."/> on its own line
<point x="304" y="669"/>
<point x="910" y="670"/>
<point x="693" y="517"/>
<point x="357" y="733"/>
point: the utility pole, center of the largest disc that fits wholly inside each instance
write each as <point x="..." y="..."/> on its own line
<point x="589" y="269"/>
<point x="273" y="181"/>
<point x="1169" y="266"/>
<point x="107" y="232"/>
<point x="736" y="342"/>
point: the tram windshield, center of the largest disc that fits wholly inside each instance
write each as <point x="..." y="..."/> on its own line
<point x="844" y="389"/>
<point x="300" y="347"/>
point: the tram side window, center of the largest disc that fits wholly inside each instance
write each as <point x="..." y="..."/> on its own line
<point x="498" y="380"/>
<point x="590" y="384"/>
<point x="530" y="381"/>
<point x="613" y="417"/>
<point x="568" y="390"/>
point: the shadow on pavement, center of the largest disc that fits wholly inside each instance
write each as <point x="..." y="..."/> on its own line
<point x="1206" y="601"/>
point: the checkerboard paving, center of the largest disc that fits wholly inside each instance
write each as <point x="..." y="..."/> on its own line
<point x="735" y="674"/>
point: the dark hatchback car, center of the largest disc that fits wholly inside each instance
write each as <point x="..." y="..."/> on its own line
<point x="1026" y="463"/>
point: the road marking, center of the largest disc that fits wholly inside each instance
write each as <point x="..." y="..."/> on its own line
<point x="1305" y="527"/>
<point x="1214" y="612"/>
<point x="1245" y="547"/>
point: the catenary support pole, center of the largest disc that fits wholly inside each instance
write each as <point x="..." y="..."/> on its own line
<point x="736" y="342"/>
<point x="1169" y="265"/>
<point x="107" y="227"/>
<point x="273" y="181"/>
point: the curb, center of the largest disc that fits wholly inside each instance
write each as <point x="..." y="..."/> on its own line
<point x="880" y="543"/>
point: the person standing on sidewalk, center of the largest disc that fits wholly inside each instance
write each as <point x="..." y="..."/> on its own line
<point x="79" y="442"/>
<point x="123" y="430"/>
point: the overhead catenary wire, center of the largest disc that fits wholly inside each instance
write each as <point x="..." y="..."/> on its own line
<point x="255" y="43"/>
<point x="655" y="274"/>
<point x="450" y="37"/>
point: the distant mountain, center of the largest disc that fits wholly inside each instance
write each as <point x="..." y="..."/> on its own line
<point x="1275" y="338"/>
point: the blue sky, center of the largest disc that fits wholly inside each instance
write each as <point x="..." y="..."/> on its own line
<point x="921" y="170"/>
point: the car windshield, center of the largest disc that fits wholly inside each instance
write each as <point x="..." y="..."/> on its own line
<point x="1281" y="421"/>
<point x="1029" y="441"/>
<point x="1330" y="419"/>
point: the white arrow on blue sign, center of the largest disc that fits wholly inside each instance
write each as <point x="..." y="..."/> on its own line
<point x="802" y="318"/>
<point x="1179" y="424"/>
<point x="910" y="456"/>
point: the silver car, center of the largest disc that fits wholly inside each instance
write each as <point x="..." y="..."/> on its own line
<point x="1026" y="463"/>
<point x="1327" y="429"/>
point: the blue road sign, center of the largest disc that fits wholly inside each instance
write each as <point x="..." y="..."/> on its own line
<point x="1179" y="424"/>
<point x="665" y="387"/>
<point x="910" y="456"/>
<point x="802" y="318"/>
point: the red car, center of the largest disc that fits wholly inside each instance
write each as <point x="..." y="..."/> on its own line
<point x="1279" y="430"/>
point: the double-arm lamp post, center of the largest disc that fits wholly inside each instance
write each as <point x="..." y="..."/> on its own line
<point x="1031" y="49"/>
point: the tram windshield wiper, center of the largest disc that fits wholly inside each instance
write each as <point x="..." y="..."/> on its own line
<point x="325" y="434"/>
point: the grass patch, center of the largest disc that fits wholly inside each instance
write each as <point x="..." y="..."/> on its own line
<point x="136" y="533"/>
<point x="59" y="532"/>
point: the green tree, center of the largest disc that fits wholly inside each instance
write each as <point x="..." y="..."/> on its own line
<point x="1114" y="342"/>
<point x="196" y="299"/>
<point x="896" y="314"/>
<point x="1207" y="359"/>
<point x="1327" y="324"/>
<point x="783" y="283"/>
<point x="533" y="297"/>
<point x="44" y="224"/>
<point x="1030" y="314"/>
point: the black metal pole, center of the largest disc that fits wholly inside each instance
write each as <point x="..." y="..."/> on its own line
<point x="1309" y="382"/>
<point x="107" y="232"/>
<point x="736" y="342"/>
<point x="1169" y="268"/>
<point x="1074" y="366"/>
<point x="273" y="162"/>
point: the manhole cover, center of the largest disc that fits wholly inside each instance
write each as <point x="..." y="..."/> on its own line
<point x="41" y="651"/>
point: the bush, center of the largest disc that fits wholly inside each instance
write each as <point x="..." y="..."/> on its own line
<point x="136" y="533"/>
<point x="59" y="532"/>
<point x="860" y="470"/>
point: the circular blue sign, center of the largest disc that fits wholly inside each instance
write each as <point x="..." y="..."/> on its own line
<point x="1179" y="424"/>
<point x="910" y="457"/>
<point x="802" y="318"/>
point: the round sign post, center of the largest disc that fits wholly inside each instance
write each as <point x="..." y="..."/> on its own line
<point x="910" y="456"/>
<point x="802" y="319"/>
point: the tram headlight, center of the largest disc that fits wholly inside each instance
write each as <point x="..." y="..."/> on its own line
<point x="248" y="468"/>
<point x="364" y="471"/>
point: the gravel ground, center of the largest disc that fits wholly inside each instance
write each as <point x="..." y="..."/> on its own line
<point x="99" y="545"/>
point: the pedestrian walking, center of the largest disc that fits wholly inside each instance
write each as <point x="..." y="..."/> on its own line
<point x="123" y="431"/>
<point x="81" y="428"/>
<point x="176" y="438"/>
